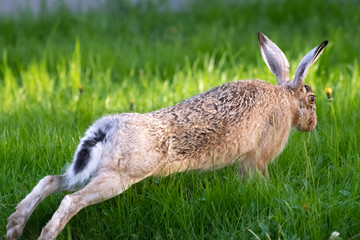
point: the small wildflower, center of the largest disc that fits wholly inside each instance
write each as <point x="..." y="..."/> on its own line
<point x="328" y="92"/>
<point x="80" y="89"/>
<point x="132" y="104"/>
<point x="305" y="207"/>
<point x="335" y="236"/>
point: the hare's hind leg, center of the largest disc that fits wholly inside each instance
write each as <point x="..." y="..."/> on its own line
<point x="104" y="186"/>
<point x="26" y="207"/>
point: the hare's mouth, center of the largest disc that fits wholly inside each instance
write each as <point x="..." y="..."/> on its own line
<point x="308" y="128"/>
<point x="302" y="129"/>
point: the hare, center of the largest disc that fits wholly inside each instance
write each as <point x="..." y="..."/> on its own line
<point x="244" y="122"/>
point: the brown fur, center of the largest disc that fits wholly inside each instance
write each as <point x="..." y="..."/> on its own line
<point x="235" y="121"/>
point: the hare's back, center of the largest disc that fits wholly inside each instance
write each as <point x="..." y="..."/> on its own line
<point x="219" y="106"/>
<point x="207" y="124"/>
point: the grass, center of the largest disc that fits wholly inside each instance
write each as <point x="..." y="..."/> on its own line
<point x="60" y="72"/>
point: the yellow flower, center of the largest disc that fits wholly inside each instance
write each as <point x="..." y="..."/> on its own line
<point x="80" y="87"/>
<point x="328" y="92"/>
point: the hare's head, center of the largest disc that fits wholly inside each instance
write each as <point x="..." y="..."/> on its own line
<point x="304" y="111"/>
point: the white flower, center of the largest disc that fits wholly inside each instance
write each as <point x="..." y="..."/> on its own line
<point x="334" y="236"/>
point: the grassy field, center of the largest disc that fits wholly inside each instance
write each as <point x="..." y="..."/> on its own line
<point x="60" y="72"/>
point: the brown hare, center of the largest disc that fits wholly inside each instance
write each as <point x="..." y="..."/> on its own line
<point x="244" y="122"/>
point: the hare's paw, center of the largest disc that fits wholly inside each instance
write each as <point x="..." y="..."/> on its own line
<point x="15" y="226"/>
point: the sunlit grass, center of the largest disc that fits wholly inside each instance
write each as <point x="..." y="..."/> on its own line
<point x="59" y="73"/>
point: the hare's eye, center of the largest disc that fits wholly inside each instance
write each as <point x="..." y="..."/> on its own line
<point x="312" y="99"/>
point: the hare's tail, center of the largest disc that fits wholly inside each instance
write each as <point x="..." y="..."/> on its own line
<point x="88" y="154"/>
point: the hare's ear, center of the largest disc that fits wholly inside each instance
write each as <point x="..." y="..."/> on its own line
<point x="305" y="64"/>
<point x="274" y="58"/>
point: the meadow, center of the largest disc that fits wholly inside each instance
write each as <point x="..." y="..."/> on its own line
<point x="59" y="72"/>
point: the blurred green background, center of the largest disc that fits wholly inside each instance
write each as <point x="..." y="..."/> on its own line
<point x="61" y="70"/>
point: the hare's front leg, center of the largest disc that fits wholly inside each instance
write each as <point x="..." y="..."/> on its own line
<point x="251" y="162"/>
<point x="104" y="186"/>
